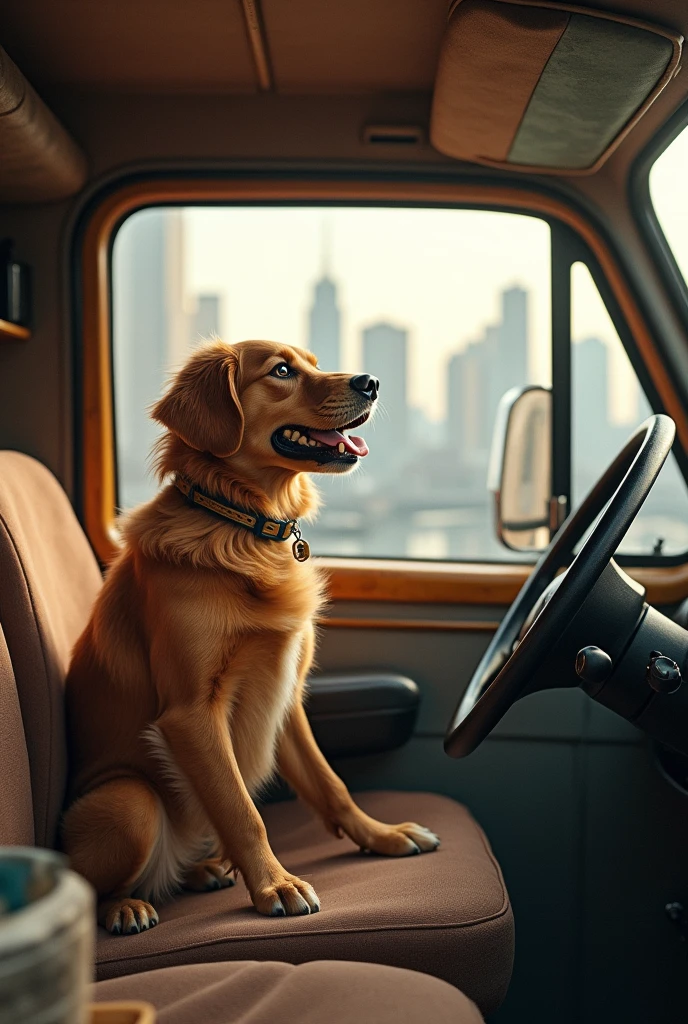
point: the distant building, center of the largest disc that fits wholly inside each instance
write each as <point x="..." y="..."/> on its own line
<point x="324" y="317"/>
<point x="205" y="322"/>
<point x="469" y="428"/>
<point x="385" y="356"/>
<point x="324" y="325"/>
<point x="151" y="336"/>
<point x="425" y="433"/>
<point x="479" y="376"/>
<point x="513" y="340"/>
<point x="594" y="438"/>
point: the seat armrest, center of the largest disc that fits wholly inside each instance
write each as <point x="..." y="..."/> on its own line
<point x="361" y="713"/>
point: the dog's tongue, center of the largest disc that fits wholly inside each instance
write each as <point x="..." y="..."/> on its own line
<point x="354" y="445"/>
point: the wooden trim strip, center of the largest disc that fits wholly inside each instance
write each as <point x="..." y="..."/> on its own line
<point x="13" y="332"/>
<point x="455" y="583"/>
<point x="255" y="28"/>
<point x="371" y="579"/>
<point x="422" y="625"/>
<point x="351" y="579"/>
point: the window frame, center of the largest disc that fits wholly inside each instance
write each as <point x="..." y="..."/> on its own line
<point x="352" y="579"/>
<point x="640" y="199"/>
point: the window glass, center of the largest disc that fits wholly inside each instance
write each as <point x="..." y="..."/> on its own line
<point x="670" y="197"/>
<point x="607" y="404"/>
<point x="449" y="308"/>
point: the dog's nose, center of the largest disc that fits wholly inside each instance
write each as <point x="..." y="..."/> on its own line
<point x="366" y="384"/>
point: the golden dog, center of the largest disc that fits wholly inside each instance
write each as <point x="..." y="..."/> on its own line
<point x="186" y="688"/>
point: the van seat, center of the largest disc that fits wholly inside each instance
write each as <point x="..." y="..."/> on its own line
<point x="446" y="913"/>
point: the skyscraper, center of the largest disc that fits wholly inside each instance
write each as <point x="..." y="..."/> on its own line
<point x="205" y="322"/>
<point x="469" y="426"/>
<point x="479" y="375"/>
<point x="513" y="342"/>
<point x="385" y="355"/>
<point x="324" y="325"/>
<point x="593" y="437"/>
<point x="151" y="335"/>
<point x="324" y="319"/>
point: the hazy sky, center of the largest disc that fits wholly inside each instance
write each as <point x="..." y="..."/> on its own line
<point x="436" y="272"/>
<point x="669" y="189"/>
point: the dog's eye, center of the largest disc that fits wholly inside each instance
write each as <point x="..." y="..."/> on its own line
<point x="282" y="370"/>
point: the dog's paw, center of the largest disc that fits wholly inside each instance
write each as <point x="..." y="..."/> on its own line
<point x="129" y="917"/>
<point x="286" y="896"/>
<point x="401" y="840"/>
<point x="209" y="875"/>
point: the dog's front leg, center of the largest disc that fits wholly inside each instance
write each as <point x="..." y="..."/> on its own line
<point x="198" y="737"/>
<point x="303" y="766"/>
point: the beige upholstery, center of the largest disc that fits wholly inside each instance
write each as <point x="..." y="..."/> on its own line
<point x="16" y="808"/>
<point x="445" y="913"/>
<point x="49" y="580"/>
<point x="314" y="993"/>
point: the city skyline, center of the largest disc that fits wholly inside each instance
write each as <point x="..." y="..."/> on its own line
<point x="431" y="272"/>
<point x="422" y="490"/>
<point x="477" y="371"/>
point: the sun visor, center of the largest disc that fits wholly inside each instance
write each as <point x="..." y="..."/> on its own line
<point x="542" y="86"/>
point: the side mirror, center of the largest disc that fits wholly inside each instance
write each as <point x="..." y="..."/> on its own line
<point x="520" y="470"/>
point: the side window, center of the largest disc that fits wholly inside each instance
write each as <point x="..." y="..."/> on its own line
<point x="449" y="308"/>
<point x="607" y="404"/>
<point x="670" y="197"/>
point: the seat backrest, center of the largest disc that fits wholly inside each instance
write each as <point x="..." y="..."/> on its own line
<point x="49" y="579"/>
<point x="16" y="809"/>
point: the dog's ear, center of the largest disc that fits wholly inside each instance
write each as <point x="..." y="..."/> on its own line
<point x="202" y="404"/>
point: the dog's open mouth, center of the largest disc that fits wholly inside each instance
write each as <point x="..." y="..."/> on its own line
<point x="316" y="445"/>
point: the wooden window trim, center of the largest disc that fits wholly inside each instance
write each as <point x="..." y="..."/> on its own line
<point x="350" y="579"/>
<point x="13" y="332"/>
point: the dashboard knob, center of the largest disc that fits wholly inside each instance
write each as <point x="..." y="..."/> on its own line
<point x="663" y="674"/>
<point x="593" y="665"/>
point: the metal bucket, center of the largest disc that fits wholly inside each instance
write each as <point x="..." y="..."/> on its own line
<point x="47" y="935"/>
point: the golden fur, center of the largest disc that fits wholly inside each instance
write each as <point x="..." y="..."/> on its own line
<point x="185" y="690"/>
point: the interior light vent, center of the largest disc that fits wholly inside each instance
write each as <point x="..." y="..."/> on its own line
<point x="393" y="135"/>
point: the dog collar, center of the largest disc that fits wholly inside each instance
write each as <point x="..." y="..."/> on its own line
<point x="259" y="525"/>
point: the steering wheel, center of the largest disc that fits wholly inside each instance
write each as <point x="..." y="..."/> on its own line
<point x="546" y="604"/>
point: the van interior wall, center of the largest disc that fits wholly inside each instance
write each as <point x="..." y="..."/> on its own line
<point x="125" y="132"/>
<point x="591" y="839"/>
<point x="129" y="132"/>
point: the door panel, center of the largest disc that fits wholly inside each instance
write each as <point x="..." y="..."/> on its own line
<point x="564" y="790"/>
<point x="523" y="795"/>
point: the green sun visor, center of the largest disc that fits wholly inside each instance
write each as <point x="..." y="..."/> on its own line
<point x="543" y="86"/>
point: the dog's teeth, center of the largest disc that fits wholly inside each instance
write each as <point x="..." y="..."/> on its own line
<point x="287" y="433"/>
<point x="303" y="439"/>
<point x="312" y="443"/>
<point x="341" y="447"/>
<point x="295" y="435"/>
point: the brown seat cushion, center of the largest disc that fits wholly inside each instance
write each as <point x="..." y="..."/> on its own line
<point x="48" y="582"/>
<point x="16" y="808"/>
<point x="445" y="913"/>
<point x="267" y="993"/>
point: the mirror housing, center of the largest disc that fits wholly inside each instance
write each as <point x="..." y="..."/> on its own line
<point x="520" y="470"/>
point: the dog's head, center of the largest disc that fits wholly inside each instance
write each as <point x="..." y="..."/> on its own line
<point x="268" y="405"/>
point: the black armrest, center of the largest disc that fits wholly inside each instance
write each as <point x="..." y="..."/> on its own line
<point x="365" y="713"/>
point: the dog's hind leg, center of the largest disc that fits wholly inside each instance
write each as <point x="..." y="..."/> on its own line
<point x="110" y="835"/>
<point x="207" y="875"/>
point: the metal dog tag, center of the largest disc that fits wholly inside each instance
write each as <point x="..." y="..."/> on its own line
<point x="301" y="550"/>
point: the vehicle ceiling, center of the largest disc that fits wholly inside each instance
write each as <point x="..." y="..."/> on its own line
<point x="355" y="49"/>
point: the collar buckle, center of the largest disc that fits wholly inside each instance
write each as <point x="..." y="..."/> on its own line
<point x="260" y="525"/>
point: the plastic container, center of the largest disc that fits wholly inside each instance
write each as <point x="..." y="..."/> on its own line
<point x="122" y="1013"/>
<point x="47" y="935"/>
